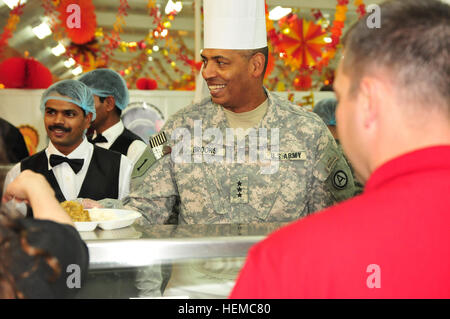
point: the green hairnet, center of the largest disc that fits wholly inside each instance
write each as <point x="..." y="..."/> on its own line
<point x="106" y="82"/>
<point x="326" y="109"/>
<point x="72" y="91"/>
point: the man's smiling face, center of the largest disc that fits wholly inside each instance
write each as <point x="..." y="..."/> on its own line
<point x="227" y="74"/>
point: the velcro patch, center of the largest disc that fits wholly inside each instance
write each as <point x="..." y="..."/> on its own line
<point x="144" y="163"/>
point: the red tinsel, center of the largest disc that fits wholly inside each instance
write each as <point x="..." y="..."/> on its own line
<point x="88" y="21"/>
<point x="146" y="84"/>
<point x="24" y="73"/>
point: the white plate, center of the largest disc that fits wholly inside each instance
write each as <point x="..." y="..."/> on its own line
<point x="85" y="226"/>
<point x="120" y="218"/>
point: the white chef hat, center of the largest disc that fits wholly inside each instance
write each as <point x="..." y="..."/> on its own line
<point x="234" y="24"/>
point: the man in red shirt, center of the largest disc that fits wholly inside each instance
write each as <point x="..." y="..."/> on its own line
<point x="393" y="119"/>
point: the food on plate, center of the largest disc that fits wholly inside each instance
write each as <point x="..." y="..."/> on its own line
<point x="101" y="215"/>
<point x="76" y="211"/>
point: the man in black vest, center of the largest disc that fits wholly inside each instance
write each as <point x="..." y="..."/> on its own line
<point x="111" y="98"/>
<point x="73" y="166"/>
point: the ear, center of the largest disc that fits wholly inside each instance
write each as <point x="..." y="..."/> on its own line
<point x="256" y="64"/>
<point x="368" y="102"/>
<point x="110" y="103"/>
<point x="88" y="120"/>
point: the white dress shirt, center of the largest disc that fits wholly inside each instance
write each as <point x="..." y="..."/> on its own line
<point x="69" y="182"/>
<point x="135" y="149"/>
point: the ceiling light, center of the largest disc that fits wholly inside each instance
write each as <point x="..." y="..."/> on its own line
<point x="150" y="58"/>
<point x="12" y="3"/>
<point x="58" y="50"/>
<point x="278" y="12"/>
<point x="78" y="70"/>
<point x="42" y="30"/>
<point x="69" y="63"/>
<point x="173" y="6"/>
<point x="155" y="48"/>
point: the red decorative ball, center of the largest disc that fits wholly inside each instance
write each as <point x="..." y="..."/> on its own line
<point x="146" y="84"/>
<point x="141" y="84"/>
<point x="21" y="73"/>
<point x="152" y="84"/>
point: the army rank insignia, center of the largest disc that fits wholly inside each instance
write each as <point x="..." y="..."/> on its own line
<point x="239" y="190"/>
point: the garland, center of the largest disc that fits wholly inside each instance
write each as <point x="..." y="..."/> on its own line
<point x="336" y="29"/>
<point x="11" y="25"/>
<point x="52" y="14"/>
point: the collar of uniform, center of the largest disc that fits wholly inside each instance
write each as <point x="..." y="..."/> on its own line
<point x="113" y="132"/>
<point x="269" y="120"/>
<point x="220" y="120"/>
<point x="430" y="158"/>
<point x="82" y="151"/>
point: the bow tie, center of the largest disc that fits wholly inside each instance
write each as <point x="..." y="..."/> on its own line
<point x="76" y="164"/>
<point x="99" y="139"/>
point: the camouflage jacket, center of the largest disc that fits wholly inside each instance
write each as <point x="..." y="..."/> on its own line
<point x="312" y="173"/>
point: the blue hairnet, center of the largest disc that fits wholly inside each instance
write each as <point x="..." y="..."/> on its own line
<point x="326" y="109"/>
<point x="72" y="91"/>
<point x="106" y="82"/>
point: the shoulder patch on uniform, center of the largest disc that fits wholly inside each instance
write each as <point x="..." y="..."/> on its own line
<point x="340" y="179"/>
<point x="144" y="163"/>
<point x="156" y="150"/>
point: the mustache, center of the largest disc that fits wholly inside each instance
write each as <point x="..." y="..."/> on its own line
<point x="59" y="127"/>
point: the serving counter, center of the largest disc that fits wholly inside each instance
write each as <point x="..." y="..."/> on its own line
<point x="168" y="261"/>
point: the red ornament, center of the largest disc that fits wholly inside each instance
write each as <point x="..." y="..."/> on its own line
<point x="21" y="73"/>
<point x="78" y="19"/>
<point x="302" y="82"/>
<point x="146" y="84"/>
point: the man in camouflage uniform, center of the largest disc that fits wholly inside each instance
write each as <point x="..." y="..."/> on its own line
<point x="311" y="172"/>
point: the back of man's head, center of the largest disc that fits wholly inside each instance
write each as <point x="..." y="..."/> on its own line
<point x="412" y="45"/>
<point x="106" y="82"/>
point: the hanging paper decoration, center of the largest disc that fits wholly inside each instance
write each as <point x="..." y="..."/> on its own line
<point x="24" y="73"/>
<point x="301" y="41"/>
<point x="78" y="19"/>
<point x="11" y="24"/>
<point x="146" y="84"/>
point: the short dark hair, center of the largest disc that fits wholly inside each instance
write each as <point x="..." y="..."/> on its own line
<point x="116" y="109"/>
<point x="412" y="44"/>
<point x="264" y="51"/>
